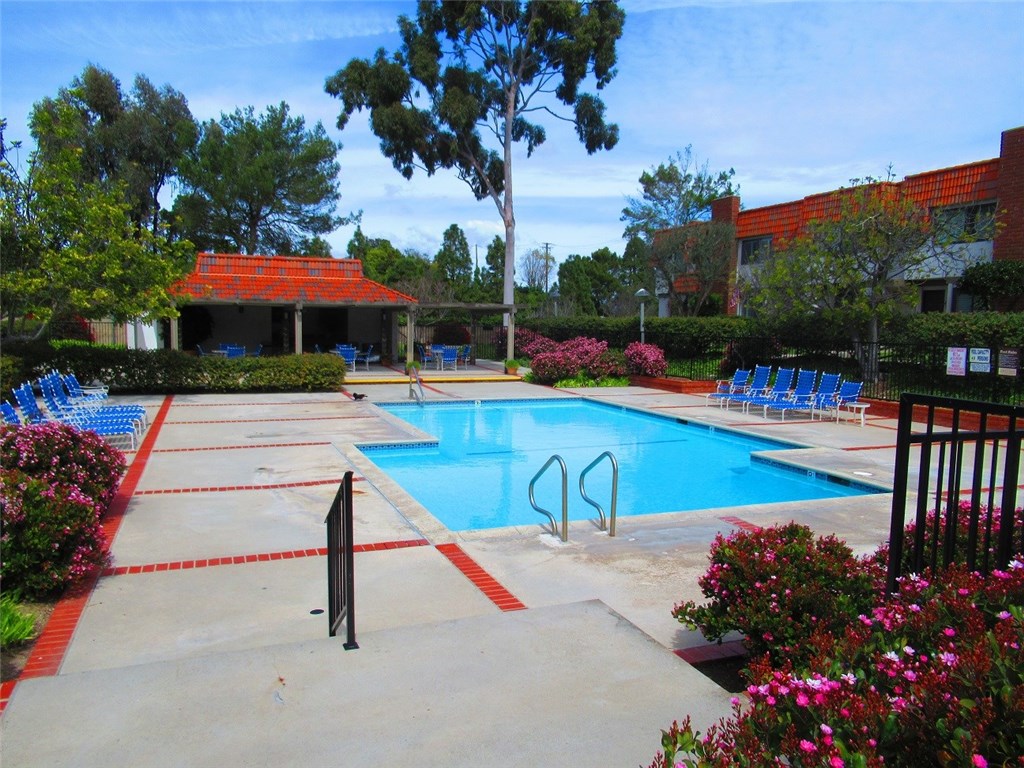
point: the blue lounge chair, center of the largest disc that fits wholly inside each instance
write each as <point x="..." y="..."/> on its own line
<point x="10" y="416"/>
<point x="726" y="387"/>
<point x="828" y="388"/>
<point x="800" y="399"/>
<point x="348" y="354"/>
<point x="79" y="393"/>
<point x="103" y="426"/>
<point x="847" y="397"/>
<point x="758" y="386"/>
<point x="780" y="390"/>
<point x="234" y="351"/>
<point x="62" y="408"/>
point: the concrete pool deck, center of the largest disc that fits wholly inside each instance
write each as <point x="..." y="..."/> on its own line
<point x="200" y="645"/>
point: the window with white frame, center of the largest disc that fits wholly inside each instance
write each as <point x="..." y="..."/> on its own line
<point x="962" y="223"/>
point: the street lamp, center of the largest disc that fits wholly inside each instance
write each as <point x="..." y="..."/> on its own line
<point x="643" y="294"/>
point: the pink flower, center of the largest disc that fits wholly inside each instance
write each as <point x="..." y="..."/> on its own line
<point x="807" y="746"/>
<point x="978" y="761"/>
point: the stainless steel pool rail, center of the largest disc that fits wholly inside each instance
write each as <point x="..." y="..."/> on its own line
<point x="583" y="492"/>
<point x="615" y="491"/>
<point x="565" y="496"/>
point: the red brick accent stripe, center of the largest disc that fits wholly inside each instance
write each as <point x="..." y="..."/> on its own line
<point x="6" y="689"/>
<point x="262" y="421"/>
<point x="223" y="488"/>
<point x="739" y="523"/>
<point x="263" y="557"/>
<point x="871" y="447"/>
<point x="704" y="653"/>
<point x="487" y="584"/>
<point x="242" y="447"/>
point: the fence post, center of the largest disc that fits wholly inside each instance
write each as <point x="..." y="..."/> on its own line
<point x="341" y="564"/>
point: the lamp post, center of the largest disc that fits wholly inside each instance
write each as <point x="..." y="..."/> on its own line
<point x="643" y="294"/>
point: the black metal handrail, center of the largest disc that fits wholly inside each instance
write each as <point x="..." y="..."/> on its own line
<point x="341" y="564"/>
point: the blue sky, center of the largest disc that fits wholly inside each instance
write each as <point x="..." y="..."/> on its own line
<point x="797" y="97"/>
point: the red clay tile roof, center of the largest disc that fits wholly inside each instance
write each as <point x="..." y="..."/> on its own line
<point x="236" y="278"/>
<point x="971" y="183"/>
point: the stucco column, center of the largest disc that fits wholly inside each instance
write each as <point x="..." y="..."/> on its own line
<point x="298" y="329"/>
<point x="175" y="341"/>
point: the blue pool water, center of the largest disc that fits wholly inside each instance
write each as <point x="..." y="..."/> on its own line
<point x="478" y="473"/>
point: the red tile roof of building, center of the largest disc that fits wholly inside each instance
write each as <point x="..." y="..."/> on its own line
<point x="971" y="183"/>
<point x="233" y="278"/>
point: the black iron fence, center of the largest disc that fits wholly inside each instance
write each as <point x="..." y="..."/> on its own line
<point x="341" y="564"/>
<point x="968" y="477"/>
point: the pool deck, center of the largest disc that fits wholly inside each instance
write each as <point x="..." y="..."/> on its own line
<point x="200" y="645"/>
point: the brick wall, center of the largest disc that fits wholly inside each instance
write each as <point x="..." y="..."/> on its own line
<point x="1009" y="245"/>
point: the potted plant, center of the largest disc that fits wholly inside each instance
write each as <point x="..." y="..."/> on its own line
<point x="512" y="367"/>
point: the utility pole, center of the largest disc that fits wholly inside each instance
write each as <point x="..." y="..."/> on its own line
<point x="547" y="264"/>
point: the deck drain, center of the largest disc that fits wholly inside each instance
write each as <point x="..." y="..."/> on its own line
<point x="316" y="611"/>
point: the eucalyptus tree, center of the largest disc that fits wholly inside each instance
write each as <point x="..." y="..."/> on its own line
<point x="470" y="81"/>
<point x="259" y="183"/>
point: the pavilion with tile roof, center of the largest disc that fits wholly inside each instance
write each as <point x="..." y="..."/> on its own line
<point x="286" y="304"/>
<point x="987" y="188"/>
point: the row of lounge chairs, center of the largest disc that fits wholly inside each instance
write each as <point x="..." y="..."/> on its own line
<point x="790" y="390"/>
<point x="67" y="401"/>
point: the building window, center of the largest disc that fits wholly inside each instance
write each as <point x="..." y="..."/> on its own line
<point x="964" y="223"/>
<point x="755" y="250"/>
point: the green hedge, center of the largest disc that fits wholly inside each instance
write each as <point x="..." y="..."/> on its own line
<point x="168" y="371"/>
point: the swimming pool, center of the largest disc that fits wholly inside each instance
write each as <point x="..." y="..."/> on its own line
<point x="477" y="474"/>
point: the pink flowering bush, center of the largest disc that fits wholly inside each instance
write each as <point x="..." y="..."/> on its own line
<point x="52" y="535"/>
<point x="930" y="676"/>
<point x="778" y="586"/>
<point x="527" y="343"/>
<point x="579" y="357"/>
<point x="646" y="359"/>
<point x="60" y="453"/>
<point x="934" y="534"/>
<point x="55" y="486"/>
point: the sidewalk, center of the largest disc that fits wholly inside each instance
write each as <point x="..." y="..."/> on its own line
<point x="204" y="644"/>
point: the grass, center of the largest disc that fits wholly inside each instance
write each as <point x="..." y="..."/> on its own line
<point x="16" y="626"/>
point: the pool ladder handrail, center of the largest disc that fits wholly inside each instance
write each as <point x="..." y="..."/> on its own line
<point x="615" y="491"/>
<point x="565" y="496"/>
<point x="414" y="378"/>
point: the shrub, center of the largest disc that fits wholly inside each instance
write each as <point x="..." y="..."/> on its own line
<point x="933" y="675"/>
<point x="59" y="453"/>
<point x="646" y="360"/>
<point x="778" y="586"/>
<point x="16" y="626"/>
<point x="934" y="538"/>
<point x="580" y="357"/>
<point x="52" y="536"/>
<point x="527" y="343"/>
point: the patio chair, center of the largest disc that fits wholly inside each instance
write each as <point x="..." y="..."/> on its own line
<point x="425" y="353"/>
<point x="200" y="351"/>
<point x="464" y="353"/>
<point x="364" y="356"/>
<point x="348" y="354"/>
<point x="77" y="393"/>
<point x="780" y="390"/>
<point x="726" y="387"/>
<point x="449" y="358"/>
<point x="256" y="352"/>
<point x="437" y="354"/>
<point x="758" y="386"/>
<point x="234" y="351"/>
<point x="800" y="399"/>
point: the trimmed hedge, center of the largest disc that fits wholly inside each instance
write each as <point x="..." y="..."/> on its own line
<point x="164" y="371"/>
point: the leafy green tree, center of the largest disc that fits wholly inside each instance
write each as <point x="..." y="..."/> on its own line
<point x="673" y="195"/>
<point x="487" y="280"/>
<point x="139" y="139"/>
<point x="466" y="69"/>
<point x="71" y="246"/>
<point x="995" y="285"/>
<point x="698" y="258"/>
<point x="259" y="183"/>
<point x="855" y="263"/>
<point x="591" y="285"/>
<point x="453" y="262"/>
